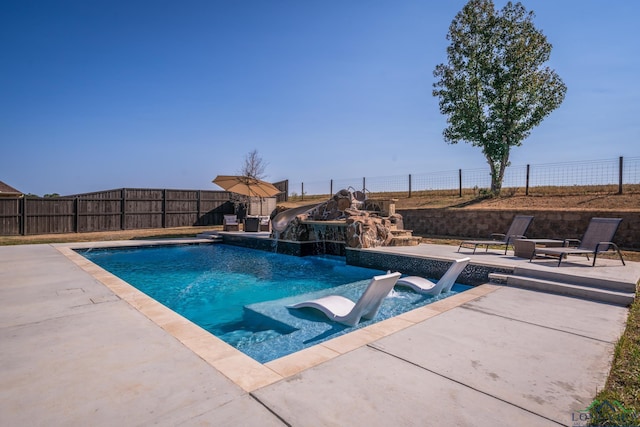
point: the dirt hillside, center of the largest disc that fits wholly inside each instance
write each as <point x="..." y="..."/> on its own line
<point x="590" y="201"/>
<point x="614" y="202"/>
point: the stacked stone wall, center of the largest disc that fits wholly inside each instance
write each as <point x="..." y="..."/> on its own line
<point x="467" y="223"/>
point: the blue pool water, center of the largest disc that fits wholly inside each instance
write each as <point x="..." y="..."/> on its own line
<point x="240" y="294"/>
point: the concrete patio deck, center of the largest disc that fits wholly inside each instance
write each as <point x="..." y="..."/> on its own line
<point x="80" y="347"/>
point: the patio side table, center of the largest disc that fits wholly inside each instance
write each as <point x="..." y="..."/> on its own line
<point x="523" y="248"/>
<point x="251" y="223"/>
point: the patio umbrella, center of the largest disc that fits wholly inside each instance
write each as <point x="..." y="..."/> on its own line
<point x="246" y="186"/>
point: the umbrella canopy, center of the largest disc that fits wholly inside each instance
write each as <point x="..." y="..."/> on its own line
<point x="246" y="186"/>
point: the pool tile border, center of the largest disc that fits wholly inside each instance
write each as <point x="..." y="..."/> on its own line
<point x="244" y="371"/>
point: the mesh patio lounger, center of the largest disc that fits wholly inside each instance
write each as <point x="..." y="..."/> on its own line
<point x="518" y="228"/>
<point x="596" y="239"/>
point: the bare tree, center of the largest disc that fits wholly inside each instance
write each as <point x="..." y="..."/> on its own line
<point x="254" y="166"/>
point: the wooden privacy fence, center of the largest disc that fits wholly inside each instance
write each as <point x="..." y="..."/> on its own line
<point x="122" y="209"/>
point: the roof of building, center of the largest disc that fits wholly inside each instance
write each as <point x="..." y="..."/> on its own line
<point x="8" y="190"/>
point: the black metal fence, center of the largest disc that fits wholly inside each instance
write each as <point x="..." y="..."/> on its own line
<point x="618" y="172"/>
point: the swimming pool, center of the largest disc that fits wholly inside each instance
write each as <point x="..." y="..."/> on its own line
<point x="241" y="294"/>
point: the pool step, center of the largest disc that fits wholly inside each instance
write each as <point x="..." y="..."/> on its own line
<point x="561" y="276"/>
<point x="211" y="235"/>
<point x="602" y="290"/>
<point x="404" y="238"/>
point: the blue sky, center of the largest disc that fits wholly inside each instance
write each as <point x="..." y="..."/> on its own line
<point x="97" y="95"/>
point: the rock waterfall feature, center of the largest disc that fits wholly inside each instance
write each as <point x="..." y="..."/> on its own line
<point x="353" y="221"/>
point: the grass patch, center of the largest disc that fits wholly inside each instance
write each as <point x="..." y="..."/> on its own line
<point x="618" y="404"/>
<point x="152" y="233"/>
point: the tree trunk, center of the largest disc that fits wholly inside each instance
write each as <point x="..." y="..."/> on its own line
<point x="497" y="172"/>
<point x="495" y="183"/>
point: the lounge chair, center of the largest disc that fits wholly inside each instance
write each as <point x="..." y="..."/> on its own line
<point x="230" y="223"/>
<point x="427" y="287"/>
<point x="596" y="239"/>
<point x="343" y="310"/>
<point x="265" y="221"/>
<point x="517" y="230"/>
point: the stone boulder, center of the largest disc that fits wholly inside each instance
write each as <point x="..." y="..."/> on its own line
<point x="366" y="231"/>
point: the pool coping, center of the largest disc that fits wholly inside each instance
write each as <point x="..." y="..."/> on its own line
<point x="245" y="372"/>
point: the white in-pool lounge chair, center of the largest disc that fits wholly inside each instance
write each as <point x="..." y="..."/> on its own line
<point x="343" y="310"/>
<point x="446" y="282"/>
